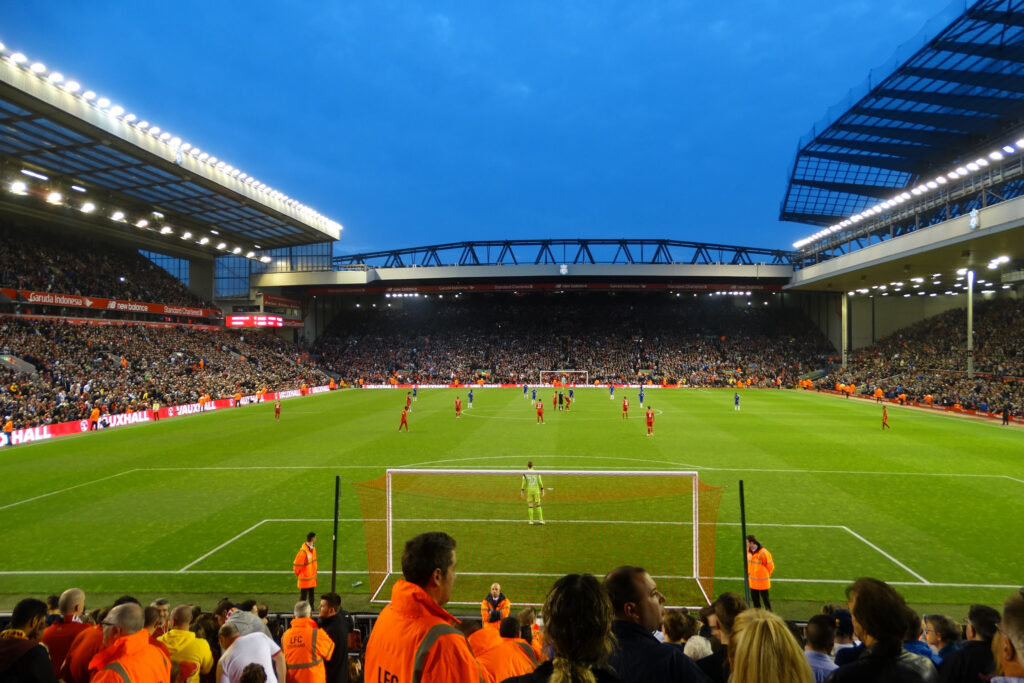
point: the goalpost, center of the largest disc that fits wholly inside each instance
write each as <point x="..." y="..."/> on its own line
<point x="595" y="520"/>
<point x="571" y="377"/>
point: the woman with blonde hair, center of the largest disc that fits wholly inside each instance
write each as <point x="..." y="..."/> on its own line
<point x="763" y="650"/>
<point x="578" y="628"/>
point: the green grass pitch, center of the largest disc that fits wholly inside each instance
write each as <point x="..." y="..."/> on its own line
<point x="217" y="504"/>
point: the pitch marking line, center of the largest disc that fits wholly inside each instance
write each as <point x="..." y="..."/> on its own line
<point x="65" y="490"/>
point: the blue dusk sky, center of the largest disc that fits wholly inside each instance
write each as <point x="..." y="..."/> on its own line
<point x="415" y="123"/>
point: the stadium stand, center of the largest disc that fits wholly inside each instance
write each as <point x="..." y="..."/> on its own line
<point x="616" y="338"/>
<point x="923" y="360"/>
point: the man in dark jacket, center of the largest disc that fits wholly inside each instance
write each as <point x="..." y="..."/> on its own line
<point x="22" y="658"/>
<point x="334" y="622"/>
<point x="640" y="658"/>
<point x="974" y="661"/>
<point x="879" y="621"/>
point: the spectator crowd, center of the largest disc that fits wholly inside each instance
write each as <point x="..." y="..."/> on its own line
<point x="591" y="630"/>
<point x="927" y="361"/>
<point x="132" y="367"/>
<point x="619" y="337"/>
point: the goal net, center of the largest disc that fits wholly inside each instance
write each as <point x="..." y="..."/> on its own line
<point x="595" y="521"/>
<point x="566" y="377"/>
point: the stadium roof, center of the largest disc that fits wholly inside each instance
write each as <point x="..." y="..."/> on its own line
<point x="955" y="89"/>
<point x="58" y="137"/>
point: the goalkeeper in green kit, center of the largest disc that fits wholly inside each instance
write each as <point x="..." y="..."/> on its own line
<point x="533" y="491"/>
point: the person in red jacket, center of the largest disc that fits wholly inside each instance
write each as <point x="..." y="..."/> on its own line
<point x="415" y="632"/>
<point x="305" y="568"/>
<point x="59" y="635"/>
<point x="759" y="570"/>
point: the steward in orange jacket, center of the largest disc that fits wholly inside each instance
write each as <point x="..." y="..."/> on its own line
<point x="128" y="656"/>
<point x="306" y="647"/>
<point x="494" y="607"/>
<point x="503" y="653"/>
<point x="759" y="570"/>
<point x="414" y="633"/>
<point x="305" y="568"/>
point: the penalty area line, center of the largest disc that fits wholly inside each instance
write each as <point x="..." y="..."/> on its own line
<point x="65" y="490"/>
<point x="887" y="555"/>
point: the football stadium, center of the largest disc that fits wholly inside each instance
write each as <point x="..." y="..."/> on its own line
<point x="197" y="378"/>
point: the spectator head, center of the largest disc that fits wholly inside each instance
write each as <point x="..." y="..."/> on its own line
<point x="71" y="602"/>
<point x="428" y="561"/>
<point x="311" y="538"/>
<point x="697" y="647"/>
<point x="181" y="617"/>
<point x="122" y="620"/>
<point x="164" y="606"/>
<point x="821" y="633"/>
<point x="879" y="613"/>
<point x="727" y="607"/>
<point x="247" y="606"/>
<point x="151" y="617"/>
<point x="679" y="625"/>
<point x="528" y="616"/>
<point x="914" y="626"/>
<point x="940" y="630"/>
<point x="635" y="596"/>
<point x="495" y="590"/>
<point x="578" y="625"/>
<point x="261" y="611"/>
<point x="330" y="604"/>
<point x="29" y="616"/>
<point x="763" y="650"/>
<point x="509" y="627"/>
<point x="126" y="599"/>
<point x="982" y="623"/>
<point x="752" y="544"/>
<point x="52" y="601"/>
<point x="227" y="635"/>
<point x="529" y="464"/>
<point x="844" y="624"/>
<point x="1009" y="648"/>
<point x="253" y="673"/>
<point x="302" y="609"/>
<point x="221" y="610"/>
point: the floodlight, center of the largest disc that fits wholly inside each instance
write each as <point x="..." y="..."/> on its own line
<point x="78" y="188"/>
<point x="117" y="216"/>
<point x="19" y="187"/>
<point x="932" y="184"/>
<point x="175" y="142"/>
<point x="103" y="102"/>
<point x="38" y="68"/>
<point x="142" y="125"/>
<point x="129" y="117"/>
<point x="961" y="171"/>
<point x="961" y="271"/>
<point x="56" y="77"/>
<point x="141" y="223"/>
<point x="1009" y="149"/>
<point x="195" y="151"/>
<point x="236" y="250"/>
<point x="250" y="254"/>
<point x="186" y="235"/>
<point x="916" y="191"/>
<point x="88" y="207"/>
<point x="214" y="232"/>
<point x="186" y="147"/>
<point x="116" y="110"/>
<point x="165" y="136"/>
<point x="1006" y="286"/>
<point x="154" y="130"/>
<point x="55" y="197"/>
<point x="981" y="162"/>
<point x="72" y="86"/>
<point x="33" y="174"/>
<point x="213" y="161"/>
<point x="265" y="259"/>
<point x="917" y="279"/>
<point x="972" y="166"/>
<point x="222" y="246"/>
<point x="995" y="156"/>
<point x="951" y="175"/>
<point x="1002" y="259"/>
<point x="205" y="240"/>
<point x="203" y="157"/>
<point x="992" y="265"/>
<point x="166" y="230"/>
<point x="19" y="58"/>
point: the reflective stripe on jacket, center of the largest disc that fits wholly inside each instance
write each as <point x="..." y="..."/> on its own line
<point x="305" y="649"/>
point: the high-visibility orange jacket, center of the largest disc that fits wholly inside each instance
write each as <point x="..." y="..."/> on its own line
<point x="131" y="658"/>
<point x="86" y="644"/>
<point x="305" y="566"/>
<point x="414" y="631"/>
<point x="306" y="647"/>
<point x="502" y="657"/>
<point x="501" y="607"/>
<point x="759" y="568"/>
